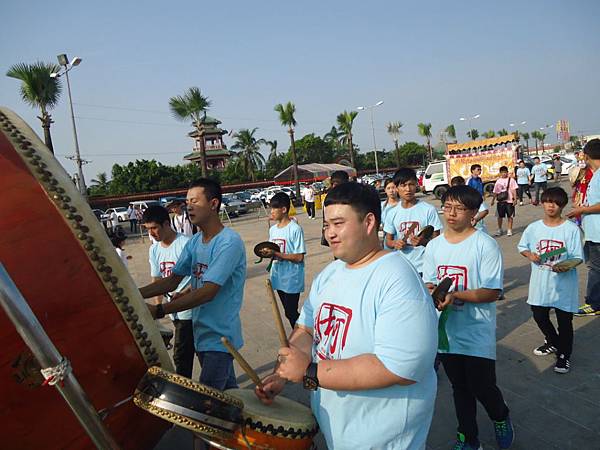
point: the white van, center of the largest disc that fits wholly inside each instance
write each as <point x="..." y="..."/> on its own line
<point x="144" y="204"/>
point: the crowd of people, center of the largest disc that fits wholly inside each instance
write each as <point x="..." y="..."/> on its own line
<point x="368" y="339"/>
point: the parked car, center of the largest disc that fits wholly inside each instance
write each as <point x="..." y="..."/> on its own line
<point x="290" y="192"/>
<point x="122" y="215"/>
<point x="245" y="196"/>
<point x="233" y="205"/>
<point x="98" y="213"/>
<point x="144" y="204"/>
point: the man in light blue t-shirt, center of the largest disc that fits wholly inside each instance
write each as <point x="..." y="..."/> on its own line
<point x="365" y="340"/>
<point x="163" y="255"/>
<point x="523" y="175"/>
<point x="591" y="230"/>
<point x="539" y="174"/>
<point x="215" y="259"/>
<point x="405" y="222"/>
<point x="467" y="328"/>
<point x="287" y="271"/>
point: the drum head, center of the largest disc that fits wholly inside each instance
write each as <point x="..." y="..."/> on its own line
<point x="427" y="232"/>
<point x="568" y="264"/>
<point x="283" y="417"/>
<point x="188" y="404"/>
<point x="265" y="249"/>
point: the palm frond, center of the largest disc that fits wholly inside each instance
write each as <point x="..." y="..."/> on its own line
<point x="38" y="88"/>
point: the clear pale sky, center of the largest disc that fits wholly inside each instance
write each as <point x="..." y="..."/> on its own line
<point x="433" y="61"/>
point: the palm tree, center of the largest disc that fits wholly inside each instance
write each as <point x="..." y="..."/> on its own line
<point x="286" y="117"/>
<point x="101" y="182"/>
<point x="193" y="105"/>
<point x="473" y="134"/>
<point x="451" y="131"/>
<point x="526" y="137"/>
<point x="39" y="89"/>
<point x="542" y="138"/>
<point x="249" y="153"/>
<point x="345" y="121"/>
<point x="425" y="131"/>
<point x="394" y="130"/>
<point x="333" y="137"/>
<point x="502" y="132"/>
<point x="272" y="148"/>
<point x="489" y="134"/>
<point x="535" y="135"/>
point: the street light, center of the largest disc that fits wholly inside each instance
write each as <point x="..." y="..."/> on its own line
<point x="370" y="108"/>
<point x="476" y="116"/>
<point x="64" y="61"/>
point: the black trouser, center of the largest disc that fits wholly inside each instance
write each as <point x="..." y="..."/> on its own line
<point x="310" y="209"/>
<point x="290" y="306"/>
<point x="539" y="189"/>
<point x="473" y="379"/>
<point x="563" y="339"/>
<point x="133" y="225"/>
<point x="183" y="348"/>
<point x="523" y="188"/>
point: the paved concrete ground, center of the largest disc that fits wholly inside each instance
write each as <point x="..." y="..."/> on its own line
<point x="549" y="411"/>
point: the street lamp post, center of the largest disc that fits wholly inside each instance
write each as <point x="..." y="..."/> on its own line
<point x="370" y="108"/>
<point x="64" y="61"/>
<point x="469" y="119"/>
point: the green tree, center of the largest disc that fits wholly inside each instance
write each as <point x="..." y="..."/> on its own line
<point x="451" y="132"/>
<point x="413" y="154"/>
<point x="489" y="134"/>
<point x="473" y="134"/>
<point x="272" y="148"/>
<point x="286" y="117"/>
<point x="526" y="137"/>
<point x="334" y="137"/>
<point x="314" y="149"/>
<point x="39" y="90"/>
<point x="249" y="151"/>
<point x="276" y="164"/>
<point x="394" y="129"/>
<point x="502" y="132"/>
<point x="192" y="105"/>
<point x="535" y="135"/>
<point x="575" y="142"/>
<point x="425" y="131"/>
<point x="100" y="185"/>
<point x="345" y="120"/>
<point x="542" y="138"/>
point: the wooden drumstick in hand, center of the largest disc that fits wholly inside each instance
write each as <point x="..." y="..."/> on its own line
<point x="241" y="361"/>
<point x="283" y="340"/>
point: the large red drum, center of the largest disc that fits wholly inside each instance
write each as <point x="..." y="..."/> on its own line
<point x="61" y="260"/>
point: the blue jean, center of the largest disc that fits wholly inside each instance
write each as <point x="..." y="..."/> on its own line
<point x="591" y="251"/>
<point x="217" y="370"/>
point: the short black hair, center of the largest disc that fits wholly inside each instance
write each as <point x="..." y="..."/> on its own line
<point x="475" y="166"/>
<point x="212" y="189"/>
<point x="339" y="177"/>
<point x="458" y="181"/>
<point x="363" y="199"/>
<point x="157" y="214"/>
<point x="281" y="200"/>
<point x="403" y="175"/>
<point x="503" y="169"/>
<point x="387" y="181"/>
<point x="592" y="149"/>
<point x="466" y="195"/>
<point x="555" y="195"/>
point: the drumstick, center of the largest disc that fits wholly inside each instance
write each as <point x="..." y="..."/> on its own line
<point x="283" y="340"/>
<point x="241" y="361"/>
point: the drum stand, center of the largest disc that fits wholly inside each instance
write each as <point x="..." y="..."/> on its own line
<point x="31" y="331"/>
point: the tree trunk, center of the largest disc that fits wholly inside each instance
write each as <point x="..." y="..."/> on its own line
<point x="351" y="149"/>
<point x="294" y="164"/>
<point x="430" y="150"/>
<point x="397" y="154"/>
<point x="202" y="152"/>
<point x="46" y="120"/>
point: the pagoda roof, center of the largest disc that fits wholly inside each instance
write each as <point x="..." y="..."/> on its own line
<point x="209" y="154"/>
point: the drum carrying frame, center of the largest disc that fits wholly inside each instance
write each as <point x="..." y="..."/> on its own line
<point x="32" y="333"/>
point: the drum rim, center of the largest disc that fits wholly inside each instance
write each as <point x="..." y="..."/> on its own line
<point x="265" y="244"/>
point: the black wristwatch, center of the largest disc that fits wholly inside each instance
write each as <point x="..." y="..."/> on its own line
<point x="310" y="380"/>
<point x="160" y="312"/>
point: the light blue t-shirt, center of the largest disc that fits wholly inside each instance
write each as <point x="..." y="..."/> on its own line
<point x="385" y="211"/>
<point x="523" y="175"/>
<point x="162" y="260"/>
<point x="539" y="173"/>
<point x="473" y="263"/>
<point x="221" y="261"/>
<point x="382" y="309"/>
<point x="401" y="220"/>
<point x="547" y="288"/>
<point x="591" y="222"/>
<point x="288" y="276"/>
<point x="481" y="224"/>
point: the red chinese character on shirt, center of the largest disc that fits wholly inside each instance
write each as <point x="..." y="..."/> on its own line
<point x="331" y="330"/>
<point x="409" y="228"/>
<point x="458" y="274"/>
<point x="281" y="242"/>
<point x="548" y="245"/>
<point x="199" y="270"/>
<point x="165" y="268"/>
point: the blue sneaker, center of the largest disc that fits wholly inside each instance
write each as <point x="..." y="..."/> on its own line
<point x="505" y="433"/>
<point x="462" y="445"/>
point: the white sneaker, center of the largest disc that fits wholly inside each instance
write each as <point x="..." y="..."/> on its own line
<point x="520" y="203"/>
<point x="498" y="233"/>
<point x="509" y="233"/>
